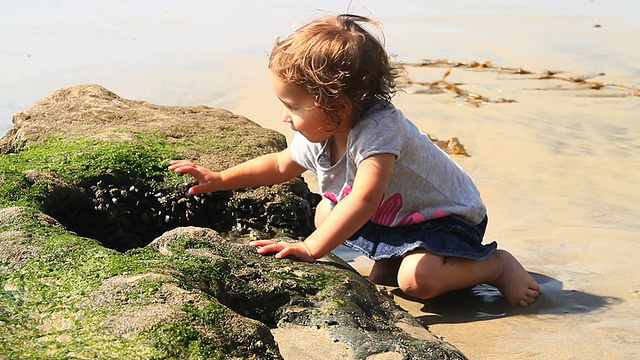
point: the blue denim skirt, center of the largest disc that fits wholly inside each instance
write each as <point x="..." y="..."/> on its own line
<point x="445" y="236"/>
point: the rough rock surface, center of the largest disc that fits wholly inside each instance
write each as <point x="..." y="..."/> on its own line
<point x="104" y="255"/>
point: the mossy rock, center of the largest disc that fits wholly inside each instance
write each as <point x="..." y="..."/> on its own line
<point x="103" y="254"/>
<point x="97" y="163"/>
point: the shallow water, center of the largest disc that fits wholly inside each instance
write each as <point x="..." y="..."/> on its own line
<point x="198" y="52"/>
<point x="558" y="169"/>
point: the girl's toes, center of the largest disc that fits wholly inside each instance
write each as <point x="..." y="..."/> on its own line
<point x="533" y="294"/>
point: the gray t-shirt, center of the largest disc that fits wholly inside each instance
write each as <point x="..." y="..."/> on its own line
<point x="425" y="184"/>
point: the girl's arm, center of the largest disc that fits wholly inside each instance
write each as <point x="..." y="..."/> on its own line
<point x="264" y="170"/>
<point x="346" y="217"/>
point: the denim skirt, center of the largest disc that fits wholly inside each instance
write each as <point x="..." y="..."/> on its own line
<point x="445" y="236"/>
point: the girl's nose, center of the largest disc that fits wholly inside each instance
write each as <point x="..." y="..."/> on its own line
<point x="286" y="117"/>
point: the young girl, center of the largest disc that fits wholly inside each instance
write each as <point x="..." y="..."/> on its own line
<point x="388" y="190"/>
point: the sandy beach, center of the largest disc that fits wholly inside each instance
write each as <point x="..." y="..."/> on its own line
<point x="556" y="160"/>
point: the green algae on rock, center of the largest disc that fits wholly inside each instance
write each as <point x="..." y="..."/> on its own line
<point x="97" y="163"/>
<point x="103" y="254"/>
<point x="74" y="298"/>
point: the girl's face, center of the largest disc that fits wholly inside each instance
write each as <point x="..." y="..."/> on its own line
<point x="301" y="112"/>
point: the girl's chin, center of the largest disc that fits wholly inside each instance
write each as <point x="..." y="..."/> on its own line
<point x="311" y="139"/>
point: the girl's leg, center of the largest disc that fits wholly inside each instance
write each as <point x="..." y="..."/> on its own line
<point x="322" y="211"/>
<point x="385" y="272"/>
<point x="425" y="275"/>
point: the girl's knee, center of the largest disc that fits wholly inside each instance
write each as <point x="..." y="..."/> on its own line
<point x="322" y="210"/>
<point x="418" y="276"/>
<point x="385" y="271"/>
<point x="417" y="287"/>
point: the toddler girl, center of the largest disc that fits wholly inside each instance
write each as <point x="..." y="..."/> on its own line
<point x="389" y="192"/>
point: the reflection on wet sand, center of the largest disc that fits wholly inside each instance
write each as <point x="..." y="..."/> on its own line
<point x="484" y="302"/>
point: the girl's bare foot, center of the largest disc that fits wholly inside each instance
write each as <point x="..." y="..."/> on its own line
<point x="515" y="283"/>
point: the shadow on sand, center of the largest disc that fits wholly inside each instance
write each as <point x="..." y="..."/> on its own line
<point x="484" y="302"/>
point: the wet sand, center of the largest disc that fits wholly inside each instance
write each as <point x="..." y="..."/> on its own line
<point x="559" y="172"/>
<point x="558" y="168"/>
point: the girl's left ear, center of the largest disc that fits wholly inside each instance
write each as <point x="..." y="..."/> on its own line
<point x="346" y="111"/>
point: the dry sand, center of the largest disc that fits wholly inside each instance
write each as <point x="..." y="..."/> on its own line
<point x="558" y="169"/>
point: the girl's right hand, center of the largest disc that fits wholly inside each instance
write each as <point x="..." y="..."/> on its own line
<point x="208" y="181"/>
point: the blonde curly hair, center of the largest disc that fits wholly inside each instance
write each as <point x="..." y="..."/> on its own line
<point x="337" y="61"/>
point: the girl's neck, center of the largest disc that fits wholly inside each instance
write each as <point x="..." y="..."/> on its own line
<point x="338" y="141"/>
<point x="338" y="145"/>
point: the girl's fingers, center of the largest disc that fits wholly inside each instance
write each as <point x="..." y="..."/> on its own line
<point x="175" y="164"/>
<point x="282" y="249"/>
<point x="260" y="243"/>
<point x="284" y="253"/>
<point x="273" y="248"/>
<point x="195" y="190"/>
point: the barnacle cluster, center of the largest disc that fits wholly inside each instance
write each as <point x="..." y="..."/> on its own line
<point x="122" y="215"/>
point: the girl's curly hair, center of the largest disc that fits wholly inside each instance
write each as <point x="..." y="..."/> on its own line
<point x="337" y="61"/>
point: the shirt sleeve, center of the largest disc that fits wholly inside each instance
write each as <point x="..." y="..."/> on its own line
<point x="380" y="133"/>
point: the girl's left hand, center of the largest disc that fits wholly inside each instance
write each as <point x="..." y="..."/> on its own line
<point x="283" y="249"/>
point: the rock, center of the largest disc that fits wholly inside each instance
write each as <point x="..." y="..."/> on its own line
<point x="97" y="163"/>
<point x="104" y="255"/>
